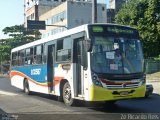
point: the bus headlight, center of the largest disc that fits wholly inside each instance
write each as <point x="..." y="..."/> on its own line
<point x="144" y="79"/>
<point x="96" y="80"/>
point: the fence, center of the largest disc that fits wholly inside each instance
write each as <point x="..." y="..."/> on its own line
<point x="152" y="66"/>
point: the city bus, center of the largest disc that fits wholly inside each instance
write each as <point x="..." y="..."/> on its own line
<point x="91" y="62"/>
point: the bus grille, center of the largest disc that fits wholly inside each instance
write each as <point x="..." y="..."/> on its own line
<point x="120" y="85"/>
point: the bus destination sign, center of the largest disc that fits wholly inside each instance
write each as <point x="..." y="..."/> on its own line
<point x="109" y="29"/>
<point x="119" y="30"/>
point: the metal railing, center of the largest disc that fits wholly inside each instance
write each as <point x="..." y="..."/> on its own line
<point x="152" y="66"/>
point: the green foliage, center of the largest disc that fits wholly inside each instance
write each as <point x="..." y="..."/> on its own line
<point x="18" y="36"/>
<point x="157" y="58"/>
<point x="145" y="16"/>
<point x="4" y="53"/>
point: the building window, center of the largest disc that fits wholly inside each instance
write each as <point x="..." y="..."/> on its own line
<point x="32" y="16"/>
<point x="58" y="17"/>
<point x="28" y="18"/>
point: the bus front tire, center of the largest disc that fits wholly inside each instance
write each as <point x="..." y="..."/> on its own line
<point x="26" y="87"/>
<point x="67" y="96"/>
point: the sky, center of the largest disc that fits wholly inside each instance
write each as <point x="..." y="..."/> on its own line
<point x="12" y="13"/>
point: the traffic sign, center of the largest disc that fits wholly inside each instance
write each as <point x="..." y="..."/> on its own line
<point x="35" y="24"/>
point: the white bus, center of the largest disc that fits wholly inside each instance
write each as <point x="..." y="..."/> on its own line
<point x="92" y="62"/>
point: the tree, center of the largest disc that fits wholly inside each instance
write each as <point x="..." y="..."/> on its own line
<point x="4" y="53"/>
<point x="18" y="36"/>
<point x="145" y="16"/>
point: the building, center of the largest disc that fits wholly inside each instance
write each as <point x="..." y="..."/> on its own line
<point x="114" y="6"/>
<point x="34" y="8"/>
<point x="62" y="13"/>
<point x="110" y="15"/>
<point x="71" y="14"/>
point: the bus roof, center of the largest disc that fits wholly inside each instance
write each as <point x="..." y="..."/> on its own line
<point x="59" y="35"/>
<point x="52" y="37"/>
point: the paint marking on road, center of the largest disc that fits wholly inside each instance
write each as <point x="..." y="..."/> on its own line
<point x="7" y="93"/>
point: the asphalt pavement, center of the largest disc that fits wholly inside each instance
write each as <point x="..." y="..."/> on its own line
<point x="14" y="103"/>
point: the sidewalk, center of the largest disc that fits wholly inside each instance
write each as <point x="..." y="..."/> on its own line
<point x="4" y="75"/>
<point x="156" y="85"/>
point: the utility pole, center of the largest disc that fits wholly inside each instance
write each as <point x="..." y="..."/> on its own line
<point x="94" y="11"/>
<point x="0" y="61"/>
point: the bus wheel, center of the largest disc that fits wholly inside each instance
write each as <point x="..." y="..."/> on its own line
<point x="67" y="97"/>
<point x="26" y="87"/>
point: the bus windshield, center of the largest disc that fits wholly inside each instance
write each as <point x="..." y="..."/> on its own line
<point x="116" y="55"/>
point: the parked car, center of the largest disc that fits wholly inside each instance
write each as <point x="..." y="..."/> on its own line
<point x="149" y="90"/>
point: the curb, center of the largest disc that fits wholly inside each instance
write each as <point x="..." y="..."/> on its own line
<point x="152" y="81"/>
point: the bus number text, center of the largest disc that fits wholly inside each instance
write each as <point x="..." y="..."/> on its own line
<point x="35" y="71"/>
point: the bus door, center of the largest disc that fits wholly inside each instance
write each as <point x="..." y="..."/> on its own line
<point x="79" y="81"/>
<point x="50" y="66"/>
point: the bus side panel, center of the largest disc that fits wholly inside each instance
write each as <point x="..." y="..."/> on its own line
<point x="17" y="81"/>
<point x="87" y="80"/>
<point x="38" y="88"/>
<point x="63" y="72"/>
<point x="36" y="76"/>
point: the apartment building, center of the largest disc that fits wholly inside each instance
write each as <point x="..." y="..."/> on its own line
<point x="34" y="8"/>
<point x="70" y="14"/>
<point x="114" y="6"/>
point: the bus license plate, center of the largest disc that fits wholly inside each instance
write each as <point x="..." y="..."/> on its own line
<point x="124" y="93"/>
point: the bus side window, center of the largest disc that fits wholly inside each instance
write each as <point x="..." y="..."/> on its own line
<point x="29" y="56"/>
<point x="14" y="59"/>
<point x="38" y="52"/>
<point x="64" y="49"/>
<point x="44" y="57"/>
<point x="19" y="62"/>
<point x="21" y="57"/>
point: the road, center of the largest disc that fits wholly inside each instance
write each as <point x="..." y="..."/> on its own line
<point x="15" y="104"/>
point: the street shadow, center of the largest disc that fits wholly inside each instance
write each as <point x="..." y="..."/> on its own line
<point x="142" y="105"/>
<point x="2" y="112"/>
<point x="46" y="96"/>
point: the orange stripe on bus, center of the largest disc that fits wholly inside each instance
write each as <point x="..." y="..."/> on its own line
<point x="13" y="73"/>
<point x="57" y="80"/>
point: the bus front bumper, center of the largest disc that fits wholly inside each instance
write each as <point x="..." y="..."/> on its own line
<point x="97" y="93"/>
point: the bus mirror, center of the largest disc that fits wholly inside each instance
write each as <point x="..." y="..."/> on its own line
<point x="87" y="44"/>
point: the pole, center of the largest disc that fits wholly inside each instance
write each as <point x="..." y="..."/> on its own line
<point x="94" y="11"/>
<point x="0" y="62"/>
<point x="24" y="13"/>
<point x="58" y="26"/>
